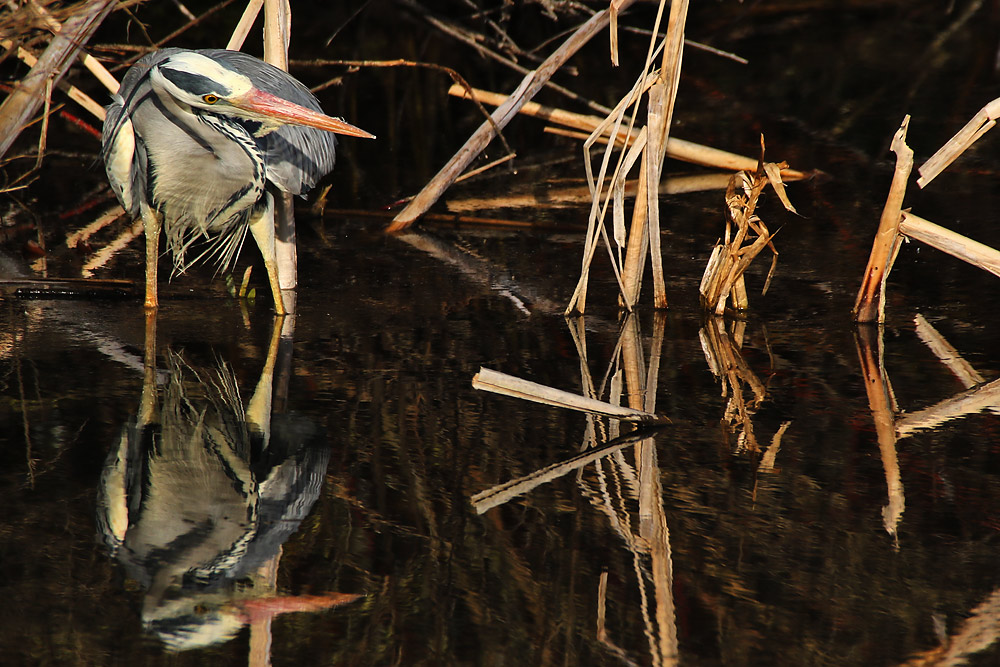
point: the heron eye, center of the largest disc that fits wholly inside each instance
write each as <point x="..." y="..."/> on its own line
<point x="210" y="99"/>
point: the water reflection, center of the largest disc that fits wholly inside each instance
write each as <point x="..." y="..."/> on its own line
<point x="627" y="492"/>
<point x="200" y="492"/>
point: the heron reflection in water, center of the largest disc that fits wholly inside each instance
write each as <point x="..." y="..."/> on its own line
<point x="199" y="494"/>
<point x="201" y="142"/>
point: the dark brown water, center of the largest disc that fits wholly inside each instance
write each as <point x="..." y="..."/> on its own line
<point x="309" y="499"/>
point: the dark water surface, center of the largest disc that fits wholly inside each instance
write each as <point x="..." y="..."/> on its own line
<point x="302" y="491"/>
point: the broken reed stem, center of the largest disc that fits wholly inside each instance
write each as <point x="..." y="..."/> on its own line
<point x="945" y="240"/>
<point x="979" y="125"/>
<point x="529" y="86"/>
<point x="508" y="385"/>
<point x="723" y="278"/>
<point x="870" y="304"/>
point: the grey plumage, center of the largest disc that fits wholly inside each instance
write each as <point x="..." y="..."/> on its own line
<point x="201" y="140"/>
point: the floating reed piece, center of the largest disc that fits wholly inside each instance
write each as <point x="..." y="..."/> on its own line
<point x="508" y="385"/>
<point x="746" y="237"/>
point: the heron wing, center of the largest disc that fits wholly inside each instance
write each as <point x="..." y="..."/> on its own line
<point x="123" y="152"/>
<point x="295" y="157"/>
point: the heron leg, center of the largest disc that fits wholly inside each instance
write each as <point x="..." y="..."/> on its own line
<point x="262" y="228"/>
<point x="151" y="223"/>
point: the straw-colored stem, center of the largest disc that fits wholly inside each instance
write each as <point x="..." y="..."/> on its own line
<point x="954" y="244"/>
<point x="678" y="149"/>
<point x="870" y="304"/>
<point x="74" y="93"/>
<point x="508" y="385"/>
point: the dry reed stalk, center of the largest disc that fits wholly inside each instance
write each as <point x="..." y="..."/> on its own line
<point x="662" y="98"/>
<point x="24" y="101"/>
<point x="637" y="242"/>
<point x="649" y="150"/>
<point x="596" y="230"/>
<point x="945" y="240"/>
<point x="556" y="195"/>
<point x="529" y="86"/>
<point x="870" y="304"/>
<point x="678" y="149"/>
<point x="628" y="270"/>
<point x="882" y="403"/>
<point x="277" y="36"/>
<point x="96" y="68"/>
<point x="724" y="274"/>
<point x="245" y="24"/>
<point x="979" y="125"/>
<point x="508" y="385"/>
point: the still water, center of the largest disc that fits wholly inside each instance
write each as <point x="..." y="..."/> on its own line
<point x="216" y="486"/>
<point x="309" y="498"/>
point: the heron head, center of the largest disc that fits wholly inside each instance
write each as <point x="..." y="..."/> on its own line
<point x="203" y="83"/>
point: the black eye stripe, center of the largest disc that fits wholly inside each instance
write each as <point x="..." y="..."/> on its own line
<point x="196" y="84"/>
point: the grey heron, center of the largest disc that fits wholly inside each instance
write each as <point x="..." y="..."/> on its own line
<point x="199" y="142"/>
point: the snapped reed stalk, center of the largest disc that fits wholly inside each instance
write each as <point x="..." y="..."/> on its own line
<point x="508" y="385"/>
<point x="870" y="304"/>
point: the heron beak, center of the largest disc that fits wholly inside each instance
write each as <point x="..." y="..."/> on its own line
<point x="281" y="110"/>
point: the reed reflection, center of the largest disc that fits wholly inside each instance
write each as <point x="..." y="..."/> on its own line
<point x="199" y="494"/>
<point x="891" y="425"/>
<point x="626" y="489"/>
